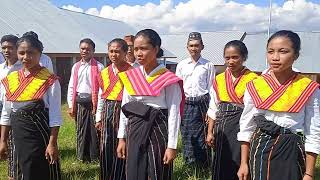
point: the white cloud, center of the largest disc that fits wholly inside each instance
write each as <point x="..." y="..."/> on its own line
<point x="213" y="15"/>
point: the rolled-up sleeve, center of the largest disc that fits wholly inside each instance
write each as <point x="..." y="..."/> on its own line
<point x="247" y="125"/>
<point x="312" y="123"/>
<point x="54" y="100"/>
<point x="173" y="100"/>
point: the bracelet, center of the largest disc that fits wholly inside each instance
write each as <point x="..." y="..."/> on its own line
<point x="308" y="175"/>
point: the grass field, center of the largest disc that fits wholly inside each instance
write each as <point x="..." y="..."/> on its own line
<point x="75" y="170"/>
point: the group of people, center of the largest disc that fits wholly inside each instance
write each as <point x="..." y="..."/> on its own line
<point x="128" y="114"/>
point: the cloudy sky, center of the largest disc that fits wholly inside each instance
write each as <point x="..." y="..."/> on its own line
<point x="172" y="16"/>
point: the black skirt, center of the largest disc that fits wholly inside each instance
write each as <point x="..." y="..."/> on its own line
<point x="146" y="142"/>
<point x="111" y="167"/>
<point x="31" y="132"/>
<point x="226" y="160"/>
<point x="276" y="153"/>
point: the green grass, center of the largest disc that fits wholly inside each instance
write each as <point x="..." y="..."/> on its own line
<point x="72" y="169"/>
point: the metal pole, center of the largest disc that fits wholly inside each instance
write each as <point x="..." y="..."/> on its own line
<point x="269" y="26"/>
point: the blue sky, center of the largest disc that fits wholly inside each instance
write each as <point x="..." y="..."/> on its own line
<point x="85" y="4"/>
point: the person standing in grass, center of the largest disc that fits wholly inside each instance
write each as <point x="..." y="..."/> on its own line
<point x="9" y="49"/>
<point x="225" y="108"/>
<point x="108" y="111"/>
<point x="32" y="109"/>
<point x="82" y="100"/>
<point x="197" y="74"/>
<point x="150" y="117"/>
<point x="280" y="123"/>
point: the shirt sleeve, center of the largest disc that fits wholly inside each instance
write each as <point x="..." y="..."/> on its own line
<point x="178" y="71"/>
<point x="123" y="119"/>
<point x="211" y="74"/>
<point x="70" y="88"/>
<point x="173" y="100"/>
<point x="100" y="106"/>
<point x="54" y="100"/>
<point x="5" y="114"/>
<point x="213" y="104"/>
<point x="312" y="123"/>
<point x="247" y="125"/>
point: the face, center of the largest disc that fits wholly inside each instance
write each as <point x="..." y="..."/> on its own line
<point x="144" y="52"/>
<point x="280" y="54"/>
<point x="116" y="54"/>
<point x="130" y="53"/>
<point x="28" y="55"/>
<point x="194" y="47"/>
<point x="233" y="59"/>
<point x="9" y="50"/>
<point x="86" y="51"/>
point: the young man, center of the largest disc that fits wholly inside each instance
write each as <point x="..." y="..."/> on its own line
<point x="82" y="100"/>
<point x="197" y="74"/>
<point x="11" y="63"/>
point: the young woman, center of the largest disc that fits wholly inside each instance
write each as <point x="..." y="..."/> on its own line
<point x="33" y="111"/>
<point x="108" y="111"/>
<point x="280" y="125"/>
<point x="225" y="108"/>
<point x="150" y="118"/>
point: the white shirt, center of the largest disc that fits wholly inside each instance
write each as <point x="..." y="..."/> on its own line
<point x="45" y="61"/>
<point x="4" y="71"/>
<point x="84" y="80"/>
<point x="1" y="58"/>
<point x="101" y="100"/>
<point x="307" y="120"/>
<point x="52" y="101"/>
<point x="170" y="98"/>
<point x="197" y="77"/>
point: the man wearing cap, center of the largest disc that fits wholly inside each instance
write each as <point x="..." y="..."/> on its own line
<point x="130" y="54"/>
<point x="197" y="74"/>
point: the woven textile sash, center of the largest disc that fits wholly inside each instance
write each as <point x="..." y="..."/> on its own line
<point x="288" y="97"/>
<point x="111" y="84"/>
<point x="138" y="85"/>
<point x="229" y="91"/>
<point x="21" y="88"/>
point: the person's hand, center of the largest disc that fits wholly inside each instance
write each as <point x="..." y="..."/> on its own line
<point x="121" y="149"/>
<point x="243" y="172"/>
<point x="3" y="150"/>
<point x="210" y="139"/>
<point x="71" y="113"/>
<point x="52" y="153"/>
<point x="169" y="155"/>
<point x="98" y="126"/>
<point x="306" y="177"/>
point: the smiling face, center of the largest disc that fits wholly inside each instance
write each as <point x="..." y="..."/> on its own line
<point x="233" y="59"/>
<point x="9" y="50"/>
<point x="280" y="54"/>
<point x="116" y="53"/>
<point x="144" y="52"/>
<point x="28" y="55"/>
